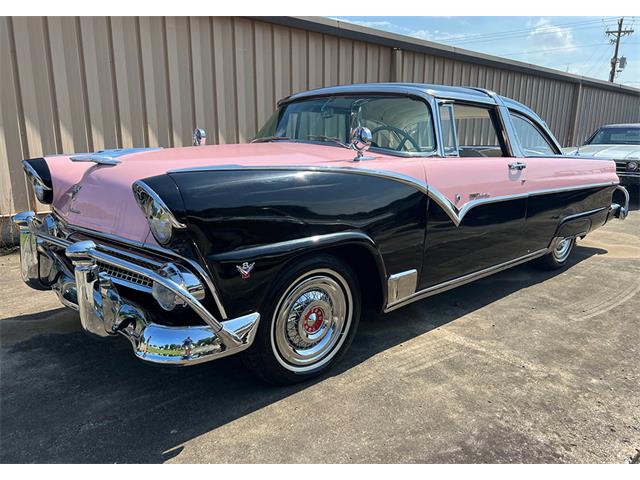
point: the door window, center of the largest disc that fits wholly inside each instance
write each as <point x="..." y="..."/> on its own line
<point x="532" y="141"/>
<point x="470" y="131"/>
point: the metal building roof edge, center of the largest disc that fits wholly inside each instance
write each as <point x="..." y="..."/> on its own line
<point x="394" y="40"/>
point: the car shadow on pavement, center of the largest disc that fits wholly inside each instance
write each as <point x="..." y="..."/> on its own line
<point x="69" y="398"/>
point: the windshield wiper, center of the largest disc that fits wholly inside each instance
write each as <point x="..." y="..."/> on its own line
<point x="268" y="139"/>
<point x="328" y="139"/>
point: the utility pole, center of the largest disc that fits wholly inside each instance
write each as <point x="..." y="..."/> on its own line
<point x="617" y="34"/>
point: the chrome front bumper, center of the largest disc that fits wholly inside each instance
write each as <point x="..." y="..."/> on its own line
<point x="89" y="287"/>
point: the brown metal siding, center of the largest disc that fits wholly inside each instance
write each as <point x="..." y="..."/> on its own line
<point x="82" y="84"/>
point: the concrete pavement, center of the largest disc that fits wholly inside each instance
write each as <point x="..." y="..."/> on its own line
<point x="523" y="366"/>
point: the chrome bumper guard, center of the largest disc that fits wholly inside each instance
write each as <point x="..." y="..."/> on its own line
<point x="104" y="312"/>
<point x="620" y="211"/>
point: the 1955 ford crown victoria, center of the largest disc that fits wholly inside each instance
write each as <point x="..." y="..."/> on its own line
<point x="378" y="193"/>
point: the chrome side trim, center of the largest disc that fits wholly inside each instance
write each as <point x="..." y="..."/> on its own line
<point x="582" y="214"/>
<point x="401" y="285"/>
<point x="456" y="282"/>
<point x="457" y="215"/>
<point x="454" y="213"/>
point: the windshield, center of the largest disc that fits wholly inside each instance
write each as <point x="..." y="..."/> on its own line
<point x="400" y="124"/>
<point x="616" y="136"/>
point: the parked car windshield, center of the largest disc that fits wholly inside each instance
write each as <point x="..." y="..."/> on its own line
<point x="616" y="136"/>
<point x="400" y="124"/>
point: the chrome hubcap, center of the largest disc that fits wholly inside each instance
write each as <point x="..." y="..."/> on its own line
<point x="311" y="320"/>
<point x="563" y="248"/>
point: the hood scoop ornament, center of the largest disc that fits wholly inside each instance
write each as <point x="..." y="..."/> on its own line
<point x="109" y="157"/>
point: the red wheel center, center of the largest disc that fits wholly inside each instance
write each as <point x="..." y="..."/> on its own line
<point x="313" y="320"/>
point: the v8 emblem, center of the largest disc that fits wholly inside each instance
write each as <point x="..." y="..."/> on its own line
<point x="245" y="269"/>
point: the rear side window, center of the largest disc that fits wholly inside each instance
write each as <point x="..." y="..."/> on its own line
<point x="532" y="141"/>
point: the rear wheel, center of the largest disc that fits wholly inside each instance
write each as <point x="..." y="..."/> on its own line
<point x="557" y="258"/>
<point x="308" y="322"/>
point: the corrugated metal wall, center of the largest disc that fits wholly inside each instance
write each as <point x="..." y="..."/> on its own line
<point x="82" y="84"/>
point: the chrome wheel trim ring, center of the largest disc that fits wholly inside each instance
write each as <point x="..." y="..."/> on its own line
<point x="563" y="249"/>
<point x="311" y="320"/>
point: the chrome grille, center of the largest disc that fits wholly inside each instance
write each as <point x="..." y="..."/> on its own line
<point x="120" y="275"/>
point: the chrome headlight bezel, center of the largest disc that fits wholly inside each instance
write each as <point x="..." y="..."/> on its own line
<point x="161" y="219"/>
<point x="42" y="190"/>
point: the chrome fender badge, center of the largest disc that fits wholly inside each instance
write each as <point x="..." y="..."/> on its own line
<point x="245" y="269"/>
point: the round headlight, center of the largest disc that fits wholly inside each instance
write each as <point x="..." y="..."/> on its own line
<point x="160" y="224"/>
<point x="632" y="166"/>
<point x="161" y="220"/>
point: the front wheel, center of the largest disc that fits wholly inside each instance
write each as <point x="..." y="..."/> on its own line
<point x="557" y="258"/>
<point x="308" y="321"/>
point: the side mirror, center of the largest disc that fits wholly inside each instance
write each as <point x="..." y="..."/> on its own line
<point x="199" y="137"/>
<point x="361" y="139"/>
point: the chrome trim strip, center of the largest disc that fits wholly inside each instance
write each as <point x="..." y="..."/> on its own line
<point x="456" y="282"/>
<point x="582" y="214"/>
<point x="457" y="215"/>
<point x="454" y="213"/>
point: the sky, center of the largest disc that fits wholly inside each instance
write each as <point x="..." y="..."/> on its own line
<point x="576" y="45"/>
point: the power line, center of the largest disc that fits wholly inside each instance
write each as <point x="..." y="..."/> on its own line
<point x="542" y="29"/>
<point x="544" y="50"/>
<point x="530" y="34"/>
<point x="474" y="36"/>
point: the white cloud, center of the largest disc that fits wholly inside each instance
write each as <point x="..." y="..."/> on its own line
<point x="430" y="35"/>
<point x="380" y="25"/>
<point x="433" y="35"/>
<point x="547" y="36"/>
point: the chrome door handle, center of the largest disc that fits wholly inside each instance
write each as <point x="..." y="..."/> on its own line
<point x="517" y="166"/>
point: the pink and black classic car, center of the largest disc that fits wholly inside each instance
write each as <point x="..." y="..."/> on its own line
<point x="372" y="195"/>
